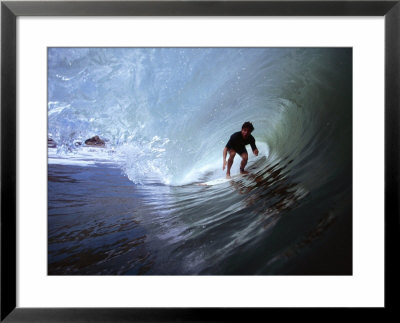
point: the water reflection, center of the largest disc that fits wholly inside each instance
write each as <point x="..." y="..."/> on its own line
<point x="270" y="192"/>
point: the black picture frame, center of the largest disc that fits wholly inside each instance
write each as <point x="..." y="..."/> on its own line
<point x="10" y="10"/>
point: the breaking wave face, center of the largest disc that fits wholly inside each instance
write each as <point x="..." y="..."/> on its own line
<point x="167" y="113"/>
<point x="170" y="111"/>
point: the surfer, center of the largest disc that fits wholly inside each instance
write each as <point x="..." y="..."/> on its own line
<point x="237" y="145"/>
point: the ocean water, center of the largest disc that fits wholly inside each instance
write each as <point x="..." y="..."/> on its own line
<point x="135" y="206"/>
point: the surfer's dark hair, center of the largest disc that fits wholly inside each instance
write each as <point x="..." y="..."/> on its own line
<point x="248" y="125"/>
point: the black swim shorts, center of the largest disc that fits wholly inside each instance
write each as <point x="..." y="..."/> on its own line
<point x="239" y="151"/>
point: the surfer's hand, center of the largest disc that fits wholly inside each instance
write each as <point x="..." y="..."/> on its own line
<point x="255" y="152"/>
<point x="224" y="165"/>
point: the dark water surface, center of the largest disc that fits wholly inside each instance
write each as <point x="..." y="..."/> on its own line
<point x="93" y="222"/>
<point x="100" y="223"/>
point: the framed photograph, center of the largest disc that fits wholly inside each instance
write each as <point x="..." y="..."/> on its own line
<point x="181" y="160"/>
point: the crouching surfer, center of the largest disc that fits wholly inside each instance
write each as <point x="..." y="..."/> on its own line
<point x="237" y="145"/>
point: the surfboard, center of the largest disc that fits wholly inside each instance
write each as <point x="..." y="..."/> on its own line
<point x="219" y="180"/>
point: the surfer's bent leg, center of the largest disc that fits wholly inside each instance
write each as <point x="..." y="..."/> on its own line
<point x="243" y="164"/>
<point x="232" y="154"/>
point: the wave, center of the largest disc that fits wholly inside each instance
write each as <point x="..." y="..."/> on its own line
<point x="171" y="110"/>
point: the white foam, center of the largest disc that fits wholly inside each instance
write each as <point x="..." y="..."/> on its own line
<point x="84" y="156"/>
<point x="72" y="162"/>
